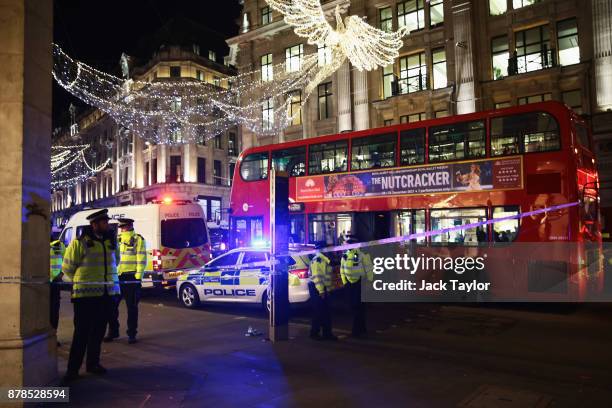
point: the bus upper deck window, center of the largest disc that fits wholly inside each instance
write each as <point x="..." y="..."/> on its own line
<point x="457" y="141"/>
<point x="524" y="133"/>
<point x="412" y="147"/>
<point x="373" y="152"/>
<point x="293" y="161"/>
<point x="254" y="167"/>
<point x="328" y="157"/>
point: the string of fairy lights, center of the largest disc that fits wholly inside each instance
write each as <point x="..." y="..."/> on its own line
<point x="69" y="165"/>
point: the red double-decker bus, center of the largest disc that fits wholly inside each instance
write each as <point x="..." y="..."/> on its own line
<point x="437" y="174"/>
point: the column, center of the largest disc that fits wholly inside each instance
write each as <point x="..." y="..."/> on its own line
<point x="162" y="153"/>
<point x="465" y="92"/>
<point x="602" y="47"/>
<point x="345" y="120"/>
<point x="27" y="342"/>
<point x="137" y="162"/>
<point x="361" y="103"/>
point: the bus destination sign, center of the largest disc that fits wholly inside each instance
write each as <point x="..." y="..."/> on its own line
<point x="478" y="175"/>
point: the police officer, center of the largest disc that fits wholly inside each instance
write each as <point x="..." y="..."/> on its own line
<point x="55" y="277"/>
<point x="354" y="267"/>
<point x="133" y="254"/>
<point x="320" y="287"/>
<point x="90" y="262"/>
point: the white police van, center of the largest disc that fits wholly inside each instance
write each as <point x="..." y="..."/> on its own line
<point x="241" y="276"/>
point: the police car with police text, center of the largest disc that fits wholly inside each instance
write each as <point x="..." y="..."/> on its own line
<point x="242" y="275"/>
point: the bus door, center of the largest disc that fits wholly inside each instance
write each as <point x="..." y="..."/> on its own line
<point x="246" y="231"/>
<point x="370" y="226"/>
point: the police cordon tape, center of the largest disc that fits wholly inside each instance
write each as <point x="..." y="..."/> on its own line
<point x="339" y="248"/>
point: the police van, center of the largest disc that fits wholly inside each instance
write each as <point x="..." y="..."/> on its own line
<point x="175" y="233"/>
<point x="242" y="275"/>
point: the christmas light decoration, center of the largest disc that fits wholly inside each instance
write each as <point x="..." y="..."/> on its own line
<point x="69" y="166"/>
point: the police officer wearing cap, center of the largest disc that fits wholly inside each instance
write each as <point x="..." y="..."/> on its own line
<point x="133" y="262"/>
<point x="320" y="287"/>
<point x="355" y="266"/>
<point x="90" y="263"/>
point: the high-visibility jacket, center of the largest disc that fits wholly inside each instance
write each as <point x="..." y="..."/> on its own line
<point x="91" y="265"/>
<point x="321" y="273"/>
<point x="355" y="265"/>
<point x="133" y="253"/>
<point x="56" y="255"/>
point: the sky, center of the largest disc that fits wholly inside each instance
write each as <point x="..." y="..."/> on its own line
<point x="98" y="32"/>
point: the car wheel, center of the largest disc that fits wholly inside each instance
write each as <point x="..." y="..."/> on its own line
<point x="189" y="296"/>
<point x="265" y="301"/>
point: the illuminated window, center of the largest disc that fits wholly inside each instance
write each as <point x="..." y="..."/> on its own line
<point x="386" y="19"/>
<point x="266" y="16"/>
<point x="507" y="230"/>
<point x="411" y="14"/>
<point x="324" y="55"/>
<point x="293" y="161"/>
<point x="328" y="157"/>
<point x="415" y="117"/>
<point x="533" y="50"/>
<point x="457" y="141"/>
<point x="412" y="147"/>
<point x="517" y="4"/>
<point x="439" y="68"/>
<point x="325" y="95"/>
<point x="267" y="71"/>
<point x="573" y="99"/>
<point x="267" y="116"/>
<point x="500" y="56"/>
<point x="175" y="105"/>
<point x="294" y="109"/>
<point x="388" y="78"/>
<point x="254" y="167"/>
<point x="440" y="114"/>
<point x="497" y="7"/>
<point x="524" y="133"/>
<point x="388" y="122"/>
<point x="534" y="98"/>
<point x="436" y="12"/>
<point x="212" y="55"/>
<point x="373" y="152"/>
<point x="232" y="145"/>
<point x="413" y="73"/>
<point x="567" y="36"/>
<point x="501" y="105"/>
<point x="330" y="229"/>
<point x="409" y="222"/>
<point x="293" y="58"/>
<point x="448" y="219"/>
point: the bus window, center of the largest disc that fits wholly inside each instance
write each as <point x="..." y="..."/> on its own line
<point x="297" y="230"/>
<point x="457" y="141"/>
<point x="328" y="157"/>
<point x="582" y="134"/>
<point x="409" y="222"/>
<point x="443" y="219"/>
<point x="524" y="133"/>
<point x="507" y="230"/>
<point x="373" y="152"/>
<point x="412" y="147"/>
<point x="254" y="167"/>
<point x="293" y="161"/>
<point x="183" y="232"/>
<point x="246" y="231"/>
<point x="329" y="228"/>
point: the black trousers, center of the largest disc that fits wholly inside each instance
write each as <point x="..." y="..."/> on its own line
<point x="357" y="308"/>
<point x="54" y="304"/>
<point x="90" y="317"/>
<point x="321" y="314"/>
<point x="131" y="293"/>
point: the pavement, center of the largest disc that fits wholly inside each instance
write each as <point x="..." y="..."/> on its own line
<point x="417" y="355"/>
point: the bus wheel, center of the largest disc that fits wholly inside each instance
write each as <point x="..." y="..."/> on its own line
<point x="189" y="296"/>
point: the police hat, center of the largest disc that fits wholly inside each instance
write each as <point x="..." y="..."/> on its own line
<point x="98" y="215"/>
<point x="125" y="222"/>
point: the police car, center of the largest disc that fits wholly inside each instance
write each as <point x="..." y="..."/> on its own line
<point x="241" y="276"/>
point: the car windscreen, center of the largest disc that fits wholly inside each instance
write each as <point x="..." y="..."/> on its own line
<point x="183" y="232"/>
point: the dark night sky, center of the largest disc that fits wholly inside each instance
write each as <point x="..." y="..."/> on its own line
<point x="97" y="32"/>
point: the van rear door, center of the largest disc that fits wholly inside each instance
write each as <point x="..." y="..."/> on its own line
<point x="184" y="243"/>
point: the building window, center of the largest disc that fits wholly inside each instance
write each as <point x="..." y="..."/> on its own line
<point x="218" y="141"/>
<point x="436" y="12"/>
<point x="412" y="147"/>
<point x="232" y="168"/>
<point x="175" y="72"/>
<point x="499" y="56"/>
<point x="254" y="167"/>
<point x="147" y="172"/>
<point x="373" y="152"/>
<point x="201" y="174"/>
<point x="294" y="109"/>
<point x="212" y="55"/>
<point x="498" y="7"/>
<point x="386" y="19"/>
<point x="217" y="173"/>
<point x="415" y="117"/>
<point x="175" y="105"/>
<point x="198" y="75"/>
<point x="232" y="147"/>
<point x="388" y="77"/>
<point x="413" y="73"/>
<point x="457" y="141"/>
<point x="154" y="171"/>
<point x="411" y="14"/>
<point x="524" y="133"/>
<point x="328" y="157"/>
<point x="267" y="70"/>
<point x="293" y="161"/>
<point x="517" y="4"/>
<point x="573" y="99"/>
<point x="439" y="68"/>
<point x="267" y="117"/>
<point x="501" y="105"/>
<point x="266" y="16"/>
<point x="325" y="95"/>
<point x="324" y="54"/>
<point x="532" y="50"/>
<point x="388" y="122"/>
<point x="440" y="114"/>
<point x="567" y="36"/>
<point x="293" y="58"/>
<point x="534" y="98"/>
<point x="175" y="169"/>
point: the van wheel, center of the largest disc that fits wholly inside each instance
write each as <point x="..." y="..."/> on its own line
<point x="265" y="302"/>
<point x="189" y="296"/>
